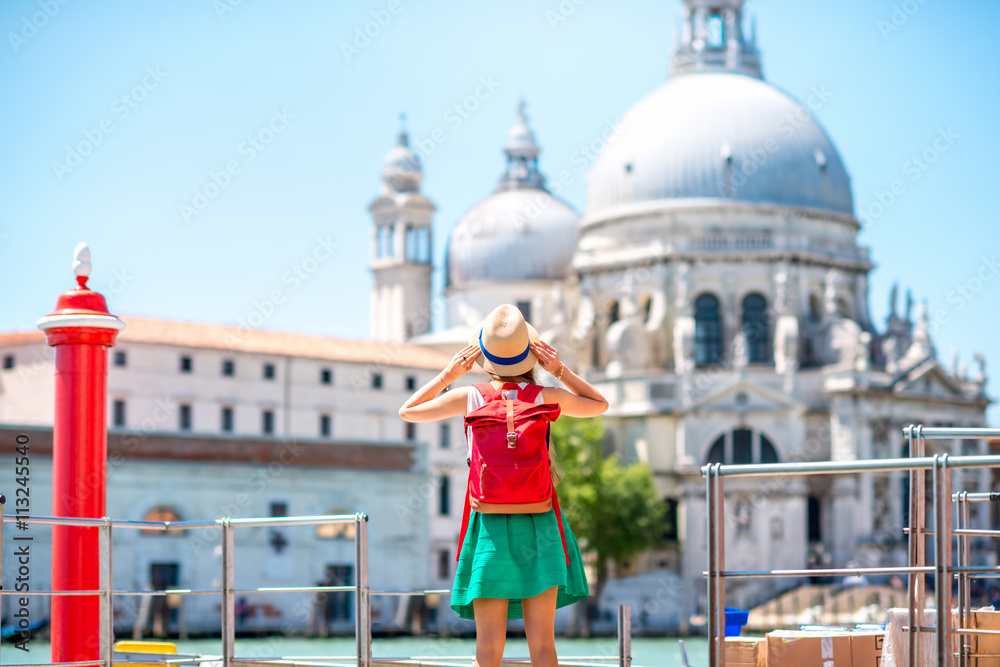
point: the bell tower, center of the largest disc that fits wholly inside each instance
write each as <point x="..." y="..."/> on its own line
<point x="401" y="249"/>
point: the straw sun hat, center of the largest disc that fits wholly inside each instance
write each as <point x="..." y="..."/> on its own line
<point x="504" y="340"/>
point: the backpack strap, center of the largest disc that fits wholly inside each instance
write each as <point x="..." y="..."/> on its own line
<point x="465" y="526"/>
<point x="559" y="520"/>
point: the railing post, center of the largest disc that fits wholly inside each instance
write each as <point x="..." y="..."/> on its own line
<point x="3" y="501"/>
<point x="942" y="558"/>
<point x="362" y="597"/>
<point x="228" y="599"/>
<point x="624" y="635"/>
<point x="720" y="560"/>
<point x="107" y="622"/>
<point x="963" y="577"/>
<point x="917" y="550"/>
<point x="711" y="613"/>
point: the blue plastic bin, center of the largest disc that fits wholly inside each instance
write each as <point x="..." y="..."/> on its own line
<point x="735" y="620"/>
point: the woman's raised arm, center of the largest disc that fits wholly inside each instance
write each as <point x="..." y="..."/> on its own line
<point x="424" y="407"/>
<point x="582" y="400"/>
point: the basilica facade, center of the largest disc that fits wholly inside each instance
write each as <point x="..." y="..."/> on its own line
<point x="714" y="290"/>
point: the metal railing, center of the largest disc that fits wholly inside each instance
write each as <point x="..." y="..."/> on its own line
<point x="940" y="465"/>
<point x="363" y="596"/>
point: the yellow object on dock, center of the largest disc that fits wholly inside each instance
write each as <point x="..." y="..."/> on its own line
<point x="128" y="646"/>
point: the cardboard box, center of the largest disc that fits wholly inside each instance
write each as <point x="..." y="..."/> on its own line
<point x="866" y="648"/>
<point x="745" y="652"/>
<point x="797" y="648"/>
<point x="980" y="620"/>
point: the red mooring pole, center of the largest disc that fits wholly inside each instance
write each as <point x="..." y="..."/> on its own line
<point x="81" y="330"/>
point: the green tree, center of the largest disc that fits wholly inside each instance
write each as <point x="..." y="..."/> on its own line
<point x="614" y="509"/>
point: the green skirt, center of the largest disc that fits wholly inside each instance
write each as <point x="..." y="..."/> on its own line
<point x="516" y="556"/>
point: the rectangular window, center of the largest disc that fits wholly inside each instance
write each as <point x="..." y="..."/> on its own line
<point x="186" y="364"/>
<point x="411" y="431"/>
<point x="279" y="508"/>
<point x="525" y="308"/>
<point x="118" y="417"/>
<point x="445" y="435"/>
<point x="326" y="376"/>
<point x="227" y="419"/>
<point x="120" y="358"/>
<point x="444" y="496"/>
<point x="267" y="422"/>
<point x="325" y="426"/>
<point x="444" y="564"/>
<point x="376" y="380"/>
<point x="228" y="367"/>
<point x="8" y="362"/>
<point x="268" y="371"/>
<point x="185" y="417"/>
<point x="411" y="383"/>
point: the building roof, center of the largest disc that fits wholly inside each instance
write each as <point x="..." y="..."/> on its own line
<point x="259" y="341"/>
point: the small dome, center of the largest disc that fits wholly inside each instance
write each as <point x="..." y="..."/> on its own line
<point x="723" y="136"/>
<point x="513" y="235"/>
<point x="401" y="168"/>
<point x="520" y="232"/>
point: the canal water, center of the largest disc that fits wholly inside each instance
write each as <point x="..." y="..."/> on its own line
<point x="646" y="651"/>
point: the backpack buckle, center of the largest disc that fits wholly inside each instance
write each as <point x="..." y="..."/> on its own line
<point x="511" y="439"/>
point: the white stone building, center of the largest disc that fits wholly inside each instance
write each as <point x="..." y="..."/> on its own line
<point x="209" y="421"/>
<point x="714" y="290"/>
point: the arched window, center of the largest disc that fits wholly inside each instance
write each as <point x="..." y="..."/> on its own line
<point x="755" y="328"/>
<point x="444" y="496"/>
<point x="707" y="331"/>
<point x="815" y="310"/>
<point x="410" y="250"/>
<point x="742" y="446"/>
<point x="768" y="454"/>
<point x="161" y="514"/>
<point x="390" y="241"/>
<point x="717" y="452"/>
<point x="670" y="529"/>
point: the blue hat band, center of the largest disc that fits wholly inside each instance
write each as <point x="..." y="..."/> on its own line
<point x="504" y="361"/>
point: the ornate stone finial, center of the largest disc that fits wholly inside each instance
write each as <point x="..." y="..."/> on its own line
<point x="81" y="263"/>
<point x="404" y="137"/>
<point x="893" y="295"/>
<point x="522" y="156"/>
<point x="981" y="363"/>
<point x="909" y="305"/>
<point x="713" y="41"/>
<point x="954" y="361"/>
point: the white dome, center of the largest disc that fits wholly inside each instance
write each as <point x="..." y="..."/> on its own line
<point x="513" y="235"/>
<point x="401" y="168"/>
<point x="675" y="143"/>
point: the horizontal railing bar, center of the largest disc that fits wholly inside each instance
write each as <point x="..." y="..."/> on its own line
<point x="168" y="526"/>
<point x="949" y="433"/>
<point x="171" y="591"/>
<point x="294" y="589"/>
<point x="295" y="520"/>
<point x="976" y="531"/>
<point x="977" y="497"/>
<point x="53" y="664"/>
<point x="42" y="593"/>
<point x="833" y="467"/>
<point x="427" y="592"/>
<point x="823" y="572"/>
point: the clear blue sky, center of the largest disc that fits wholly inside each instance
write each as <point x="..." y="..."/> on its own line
<point x="222" y="76"/>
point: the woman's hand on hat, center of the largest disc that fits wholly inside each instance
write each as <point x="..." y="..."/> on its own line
<point x="460" y="364"/>
<point x="547" y="356"/>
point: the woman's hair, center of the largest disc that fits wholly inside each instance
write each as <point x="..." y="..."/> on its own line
<point x="529" y="377"/>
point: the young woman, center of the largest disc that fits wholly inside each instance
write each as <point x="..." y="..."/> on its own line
<point x="511" y="565"/>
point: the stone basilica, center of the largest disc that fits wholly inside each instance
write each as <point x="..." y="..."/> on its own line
<point x="715" y="292"/>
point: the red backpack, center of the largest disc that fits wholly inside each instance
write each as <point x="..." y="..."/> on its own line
<point x="510" y="455"/>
